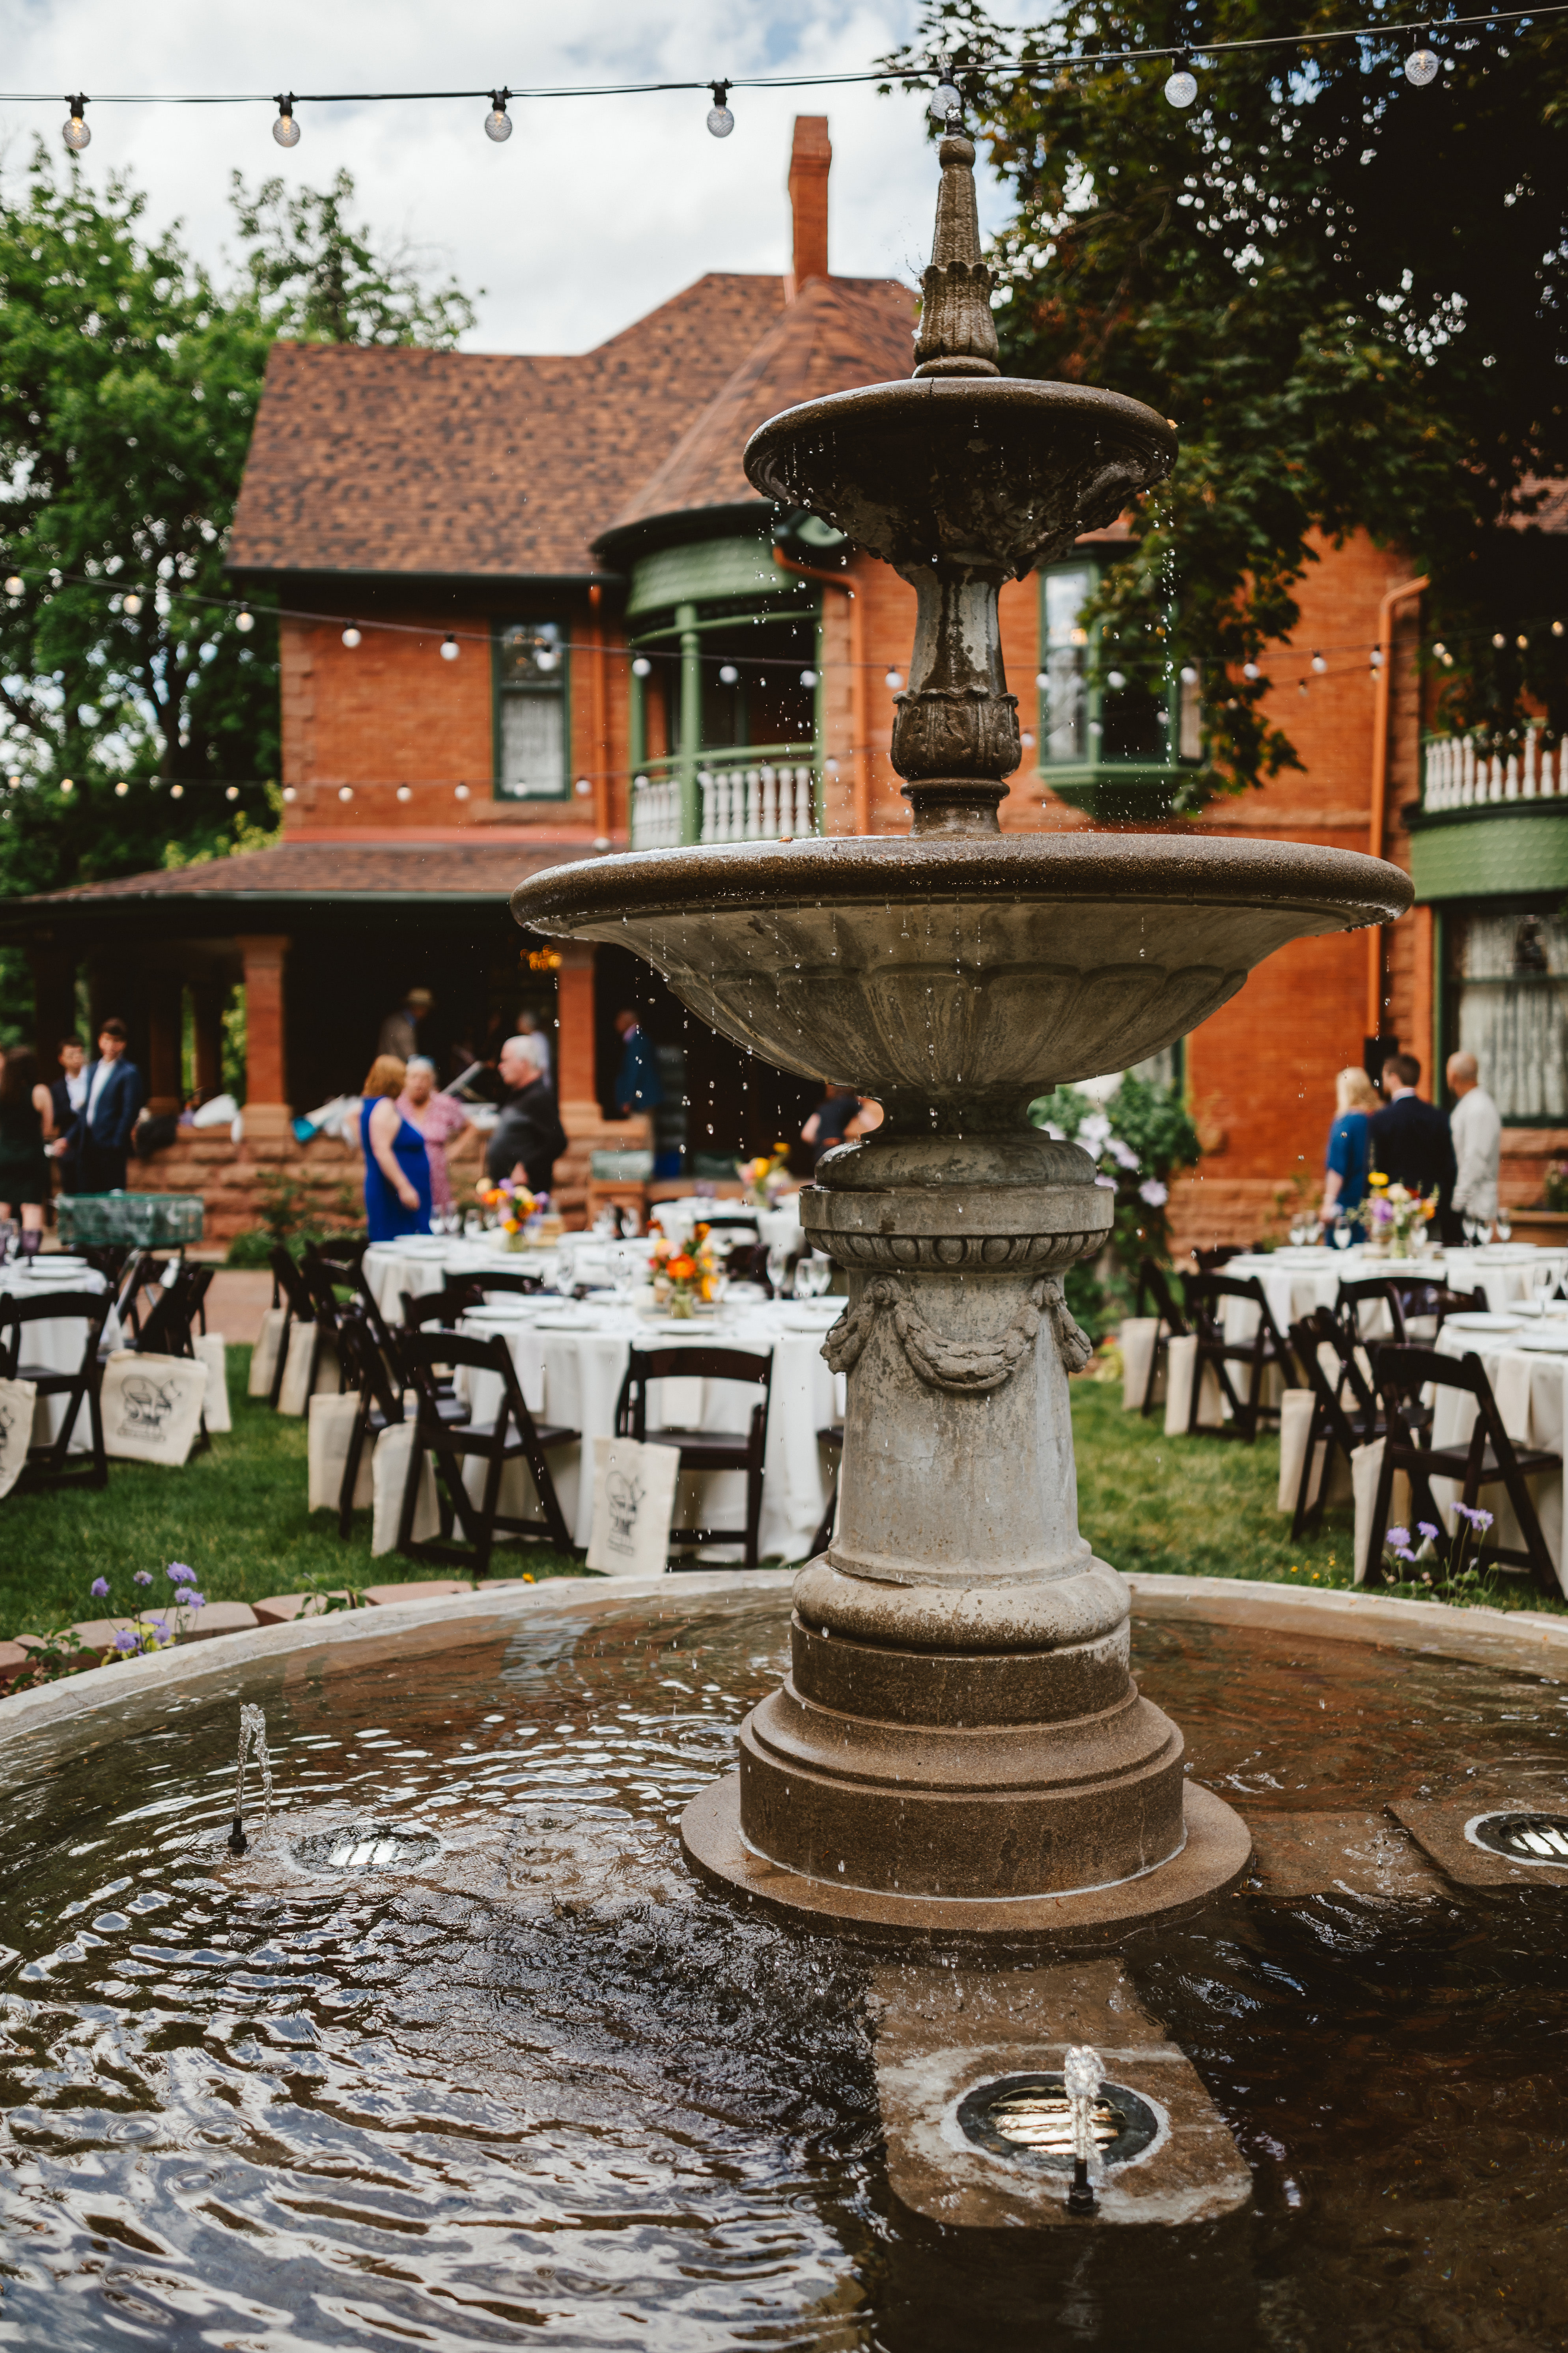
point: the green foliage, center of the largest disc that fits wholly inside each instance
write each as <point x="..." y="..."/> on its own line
<point x="1140" y="1139"/>
<point x="1347" y="293"/>
<point x="315" y="280"/>
<point x="295" y="1214"/>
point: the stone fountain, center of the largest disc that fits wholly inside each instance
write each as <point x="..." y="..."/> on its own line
<point x="959" y="1751"/>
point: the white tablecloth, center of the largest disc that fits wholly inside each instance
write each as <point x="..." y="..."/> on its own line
<point x="1295" y="1282"/>
<point x="56" y="1342"/>
<point x="573" y="1376"/>
<point x="1531" y="1394"/>
<point x="392" y="1268"/>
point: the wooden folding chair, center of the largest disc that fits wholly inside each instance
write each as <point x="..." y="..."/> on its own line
<point x="46" y="1465"/>
<point x="1488" y="1458"/>
<point x="1345" y="1411"/>
<point x="169" y="1324"/>
<point x="290" y="1293"/>
<point x="1172" y="1324"/>
<point x="1205" y="1296"/>
<point x="366" y="1371"/>
<point x="703" y="1450"/>
<point x="1210" y="1262"/>
<point x="1372" y="1291"/>
<point x="511" y="1436"/>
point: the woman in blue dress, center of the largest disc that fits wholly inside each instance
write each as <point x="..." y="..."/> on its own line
<point x="397" y="1165"/>
<point x="1349" y="1146"/>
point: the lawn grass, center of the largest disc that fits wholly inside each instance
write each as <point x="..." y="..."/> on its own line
<point x="1148" y="1504"/>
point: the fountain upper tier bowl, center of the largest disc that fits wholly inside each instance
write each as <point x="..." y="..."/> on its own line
<point x="964" y="972"/>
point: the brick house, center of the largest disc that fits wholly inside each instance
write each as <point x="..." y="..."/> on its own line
<point x="531" y="608"/>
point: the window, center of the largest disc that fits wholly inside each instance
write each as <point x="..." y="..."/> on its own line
<point x="531" y="736"/>
<point x="1066" y="714"/>
<point x="1110" y="708"/>
<point x="1509" y="979"/>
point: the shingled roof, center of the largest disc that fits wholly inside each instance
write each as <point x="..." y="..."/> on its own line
<point x="317" y="870"/>
<point x="839" y="333"/>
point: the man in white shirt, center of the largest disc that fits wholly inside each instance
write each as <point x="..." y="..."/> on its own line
<point x="534" y="1044"/>
<point x="1477" y="1129"/>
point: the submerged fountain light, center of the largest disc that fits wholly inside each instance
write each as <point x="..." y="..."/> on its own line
<point x="1522" y="1838"/>
<point x="959" y="1751"/>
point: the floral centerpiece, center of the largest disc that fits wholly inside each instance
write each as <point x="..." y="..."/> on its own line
<point x="512" y="1205"/>
<point x="685" y="1275"/>
<point x="1395" y="1219"/>
<point x="766" y="1177"/>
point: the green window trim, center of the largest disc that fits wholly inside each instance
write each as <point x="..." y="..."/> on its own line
<point x="1152" y="733"/>
<point x="531" y="709"/>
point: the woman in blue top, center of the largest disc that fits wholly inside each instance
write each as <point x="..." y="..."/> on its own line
<point x="397" y="1165"/>
<point x="1349" y="1146"/>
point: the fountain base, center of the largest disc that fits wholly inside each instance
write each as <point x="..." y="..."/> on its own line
<point x="1212" y="1859"/>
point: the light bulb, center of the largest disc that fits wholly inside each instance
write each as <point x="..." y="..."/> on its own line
<point x="728" y="674"/>
<point x="642" y="666"/>
<point x="498" y="122"/>
<point x="1499" y="641"/>
<point x="1189" y="675"/>
<point x="1557" y="629"/>
<point x="289" y="794"/>
<point x="15" y="585"/>
<point x="807" y="678"/>
<point x="584" y="788"/>
<point x="460" y="793"/>
<point x="231" y="792"/>
<point x="1422" y="64"/>
<point x="405" y="793"/>
<point x="1182" y="86"/>
<point x="286" y="131"/>
<point x="449" y="649"/>
<point x="1116" y="678"/>
<point x="244" y="622"/>
<point x="74" y="131"/>
<point x="1439" y="649"/>
<point x="121" y="790"/>
<point x="131" y="604"/>
<point x="1521" y="643"/>
<point x="1448" y="662"/>
<point x="721" y="122"/>
<point x="1041" y="680"/>
<point x="345" y="792"/>
<point x="351" y="637"/>
<point x="1377" y="657"/>
<point x="177" y="792"/>
<point x="1027" y="741"/>
<point x="894" y="680"/>
<point x="1320" y="664"/>
<point x="65" y="785"/>
<point x="946" y="102"/>
<point x="13" y="782"/>
<point x="1251" y="670"/>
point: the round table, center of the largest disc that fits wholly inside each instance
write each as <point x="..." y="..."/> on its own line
<point x="1295" y="1282"/>
<point x="418" y="1264"/>
<point x="571" y="1361"/>
<point x="55" y="1342"/>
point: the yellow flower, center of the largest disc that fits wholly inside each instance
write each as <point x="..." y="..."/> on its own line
<point x="1375" y="1179"/>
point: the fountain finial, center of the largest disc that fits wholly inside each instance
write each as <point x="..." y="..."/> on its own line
<point x="958" y="335"/>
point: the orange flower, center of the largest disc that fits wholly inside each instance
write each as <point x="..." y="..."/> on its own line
<point x="681" y="1269"/>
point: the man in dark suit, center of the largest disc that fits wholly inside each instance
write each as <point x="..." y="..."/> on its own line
<point x="68" y="1094"/>
<point x="1410" y="1141"/>
<point x="101" y="1132"/>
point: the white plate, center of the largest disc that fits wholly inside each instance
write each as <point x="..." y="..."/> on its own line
<point x="1473" y="1320"/>
<point x="1546" y="1343"/>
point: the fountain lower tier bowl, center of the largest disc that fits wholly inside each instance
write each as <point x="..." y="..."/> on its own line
<point x="961" y="973"/>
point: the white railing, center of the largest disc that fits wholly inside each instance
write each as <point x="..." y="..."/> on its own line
<point x="1459" y="775"/>
<point x="655" y="813"/>
<point x="767" y="802"/>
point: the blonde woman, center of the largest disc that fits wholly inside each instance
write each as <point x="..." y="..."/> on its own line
<point x="1349" y="1146"/>
<point x="397" y="1165"/>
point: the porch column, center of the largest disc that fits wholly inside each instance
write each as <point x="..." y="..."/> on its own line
<point x="576" y="1072"/>
<point x="54" y="1005"/>
<point x="690" y="722"/>
<point x="166" y="1021"/>
<point x="209" y="998"/>
<point x="267" y="1114"/>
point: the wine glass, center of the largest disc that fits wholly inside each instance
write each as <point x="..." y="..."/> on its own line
<point x="1341" y="1233"/>
<point x="814" y="1275"/>
<point x="1543" y="1284"/>
<point x="778" y="1267"/>
<point x="1504" y="1225"/>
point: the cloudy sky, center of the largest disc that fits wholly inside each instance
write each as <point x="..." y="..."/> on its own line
<point x="595" y="210"/>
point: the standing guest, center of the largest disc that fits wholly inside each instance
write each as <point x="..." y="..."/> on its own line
<point x="66" y="1095"/>
<point x="396" y="1166"/>
<point x="1349" y="1146"/>
<point x="439" y="1120"/>
<point x="400" y="1030"/>
<point x="531" y="1029"/>
<point x="101" y="1132"/>
<point x="26" y="1121"/>
<point x="1476" y="1126"/>
<point x="528" y="1134"/>
<point x="637" y="1083"/>
<point x="1411" y="1145"/>
<point x="838" y="1118"/>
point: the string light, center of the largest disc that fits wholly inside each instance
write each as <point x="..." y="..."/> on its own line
<point x="1189" y="675"/>
<point x="289" y="794"/>
<point x="1377" y="657"/>
<point x="351" y="637"/>
<point x="498" y="122"/>
<point x="721" y="122"/>
<point x="67" y="785"/>
<point x="15" y="585"/>
<point x="345" y="792"/>
<point x="1251" y="670"/>
<point x="894" y="680"/>
<point x="1499" y="641"/>
<point x="642" y="667"/>
<point x="1557" y="629"/>
<point x="460" y="793"/>
<point x="807" y="678"/>
<point x="1320" y="663"/>
<point x="1116" y="678"/>
<point x="245" y="621"/>
<point x="728" y="674"/>
<point x="947" y="99"/>
<point x="1421" y="65"/>
<point x="584" y="788"/>
<point x="130" y="604"/>
<point x="449" y="648"/>
<point x="177" y="792"/>
<point x="231" y="793"/>
<point x="403" y="793"/>
<point x="1522" y="643"/>
<point x="286" y="131"/>
<point x="1182" y="88"/>
<point x="121" y="790"/>
<point x="74" y="131"/>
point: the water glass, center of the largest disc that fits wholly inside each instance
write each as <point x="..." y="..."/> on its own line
<point x="778" y="1267"/>
<point x="1341" y="1233"/>
<point x="1505" y="1229"/>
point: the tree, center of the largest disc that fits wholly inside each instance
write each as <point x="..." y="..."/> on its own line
<point x="1349" y="293"/>
<point x="317" y="280"/>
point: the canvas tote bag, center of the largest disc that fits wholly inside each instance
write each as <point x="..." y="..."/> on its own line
<point x="152" y="1407"/>
<point x="389" y="1470"/>
<point x="294" y="1395"/>
<point x="17" y="1399"/>
<point x="212" y="1351"/>
<point x="633" y="1505"/>
<point x="331" y="1427"/>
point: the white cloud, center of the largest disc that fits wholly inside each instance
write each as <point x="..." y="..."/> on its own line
<point x="593" y="212"/>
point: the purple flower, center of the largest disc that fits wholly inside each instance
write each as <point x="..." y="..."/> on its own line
<point x="1403" y="1552"/>
<point x="1122" y="1153"/>
<point x="1107" y="1182"/>
<point x="194" y="1600"/>
<point x="124" y="1640"/>
<point x="1424" y="1528"/>
<point x="1398" y="1536"/>
<point x="178" y="1573"/>
<point x="100" y="1586"/>
<point x="1153" y="1191"/>
<point x="1481" y="1519"/>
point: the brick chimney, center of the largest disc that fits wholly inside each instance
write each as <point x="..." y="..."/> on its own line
<point x="810" y="161"/>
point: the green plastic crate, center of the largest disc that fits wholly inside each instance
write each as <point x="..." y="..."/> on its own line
<point x="144" y="1220"/>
